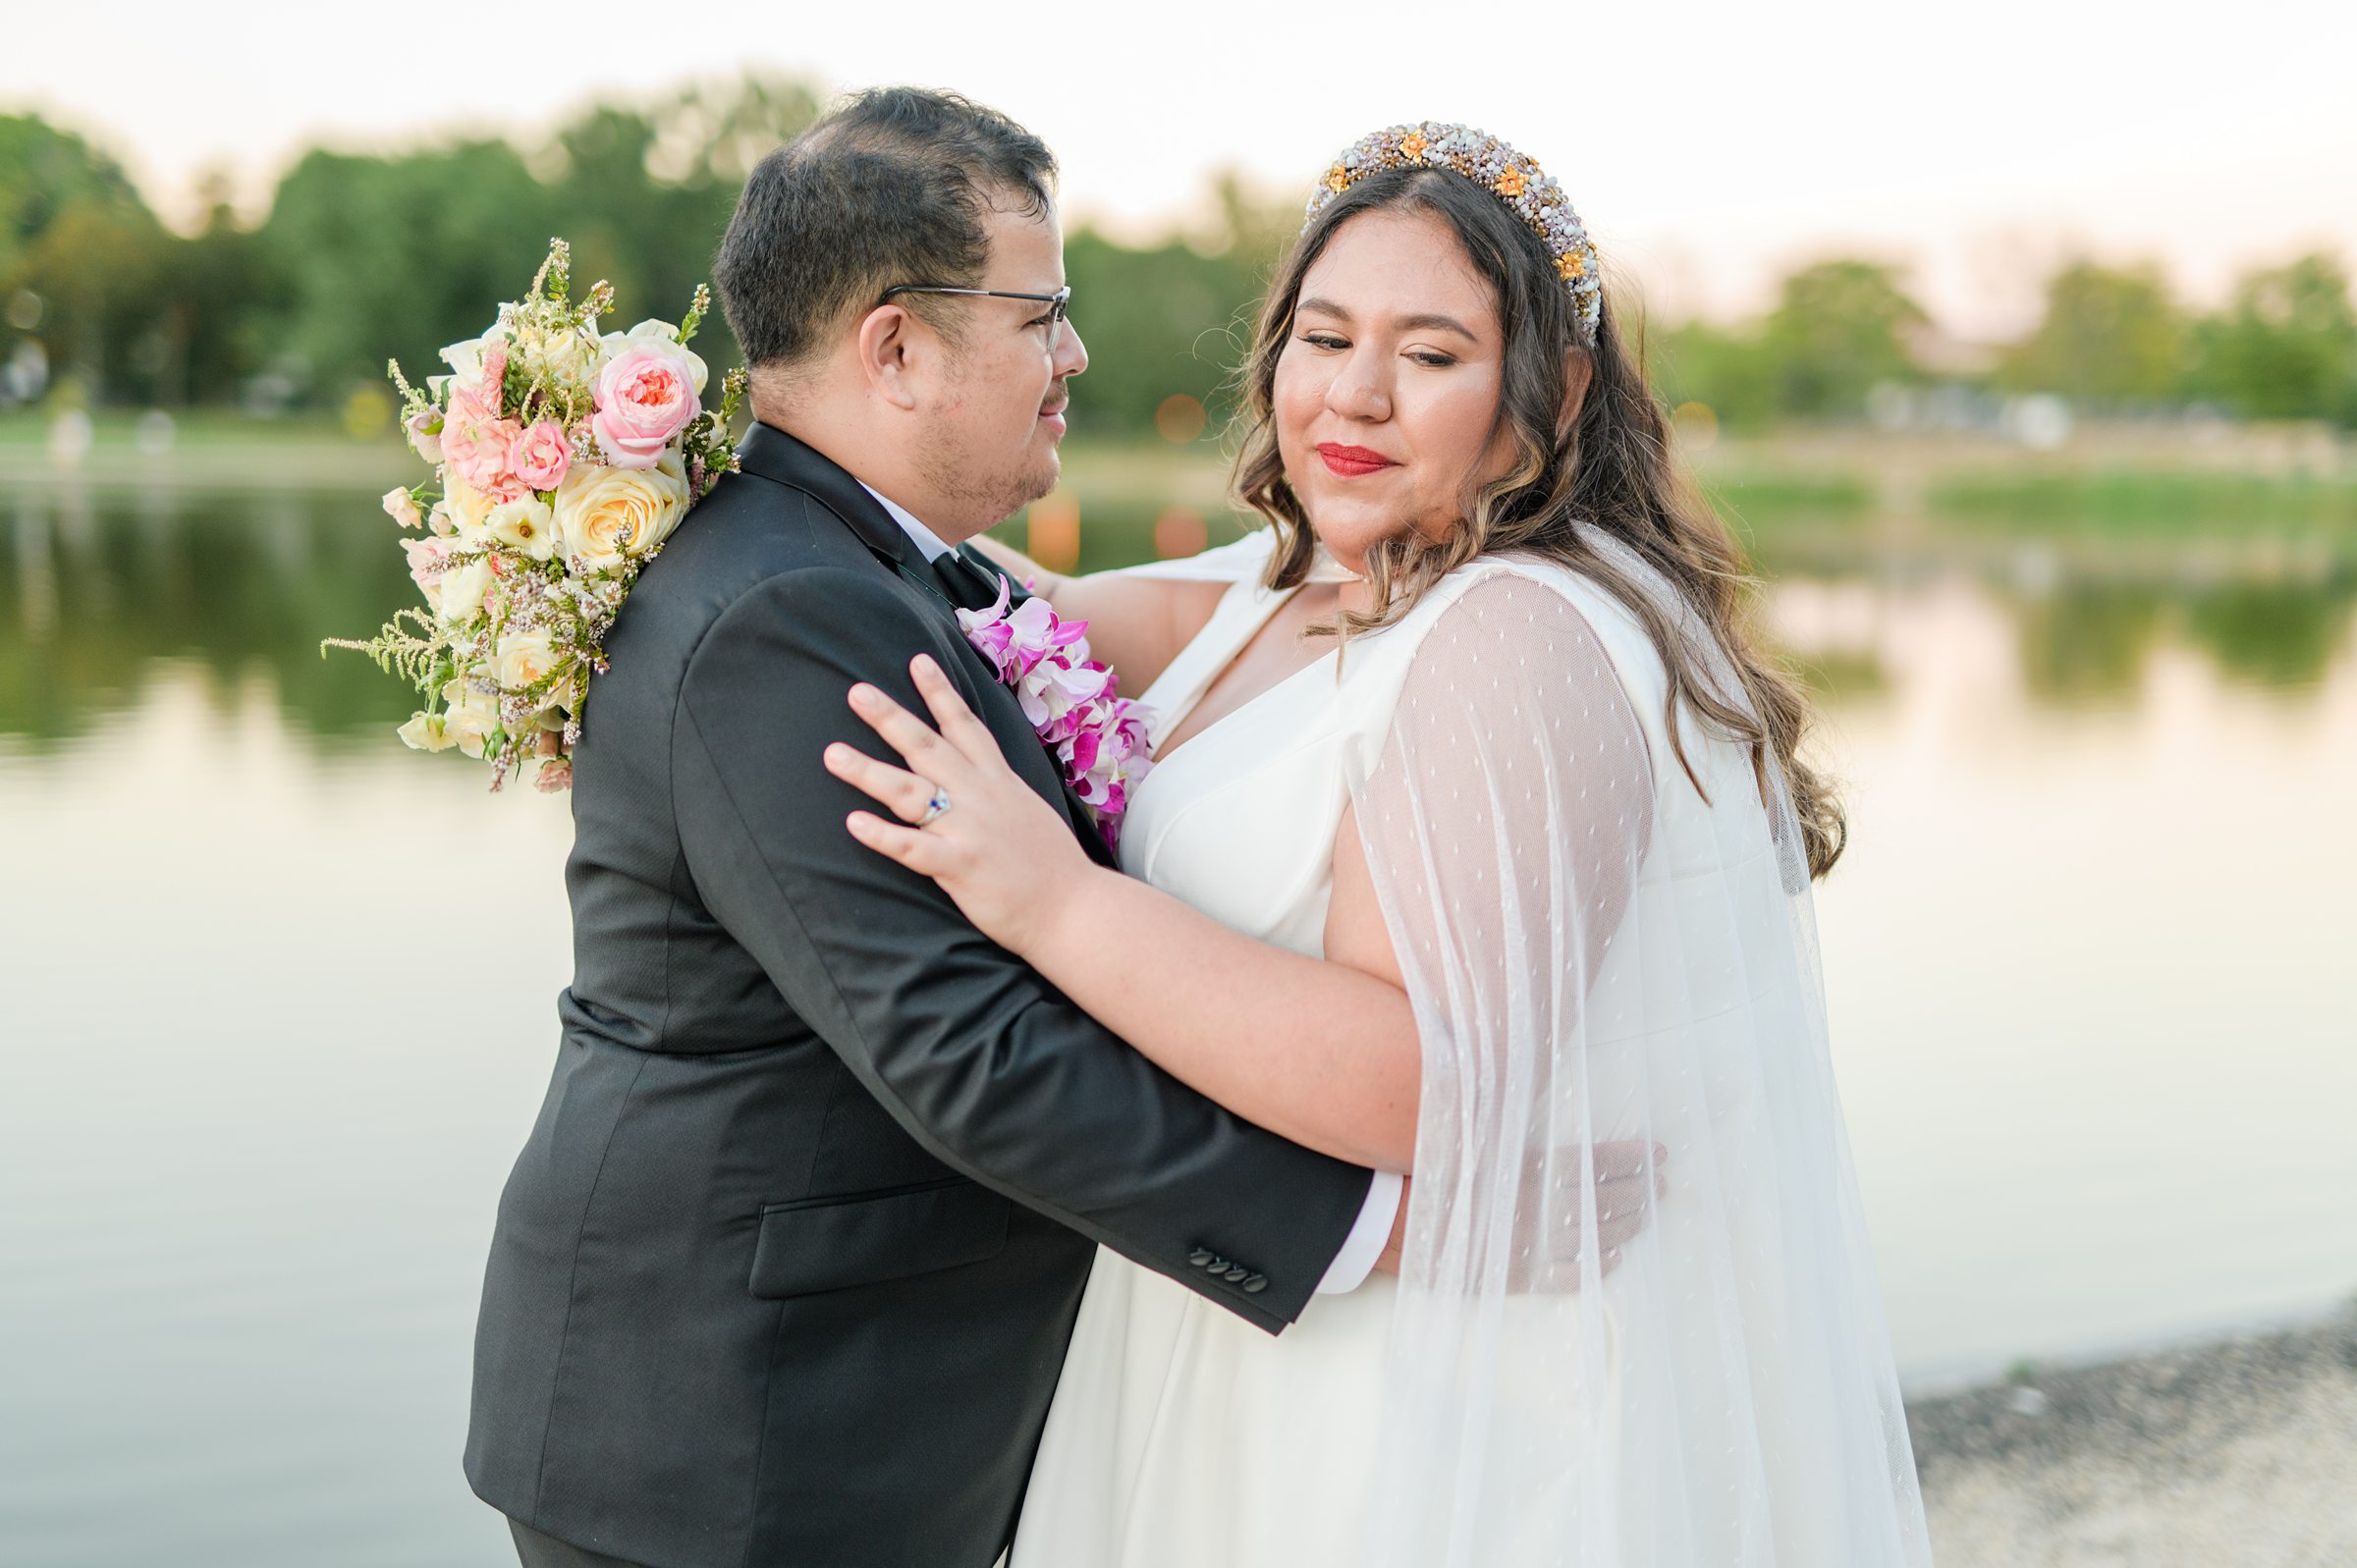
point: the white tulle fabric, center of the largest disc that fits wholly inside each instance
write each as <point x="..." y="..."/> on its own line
<point x="1601" y="953"/>
<point x="1598" y="956"/>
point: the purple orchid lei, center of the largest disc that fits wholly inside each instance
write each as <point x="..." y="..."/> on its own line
<point x="1098" y="735"/>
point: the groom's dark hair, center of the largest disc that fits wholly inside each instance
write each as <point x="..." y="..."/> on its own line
<point x="891" y="187"/>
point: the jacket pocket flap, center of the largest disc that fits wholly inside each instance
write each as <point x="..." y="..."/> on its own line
<point x="861" y="1239"/>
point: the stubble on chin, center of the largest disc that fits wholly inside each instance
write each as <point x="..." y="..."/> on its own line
<point x="989" y="495"/>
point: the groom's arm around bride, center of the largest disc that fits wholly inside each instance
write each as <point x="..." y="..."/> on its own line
<point x="785" y="1272"/>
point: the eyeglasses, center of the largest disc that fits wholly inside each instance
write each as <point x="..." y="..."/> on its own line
<point x="1057" y="304"/>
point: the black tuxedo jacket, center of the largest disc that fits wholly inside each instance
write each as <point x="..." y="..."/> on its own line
<point x="784" y="1276"/>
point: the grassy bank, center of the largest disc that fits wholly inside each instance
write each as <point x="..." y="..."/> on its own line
<point x="1810" y="483"/>
<point x="2146" y="503"/>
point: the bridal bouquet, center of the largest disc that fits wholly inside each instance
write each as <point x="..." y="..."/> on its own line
<point x="563" y="460"/>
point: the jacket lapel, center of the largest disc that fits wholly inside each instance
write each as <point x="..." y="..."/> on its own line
<point x="777" y="457"/>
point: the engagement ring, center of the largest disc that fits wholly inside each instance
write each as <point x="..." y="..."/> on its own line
<point x="935" y="806"/>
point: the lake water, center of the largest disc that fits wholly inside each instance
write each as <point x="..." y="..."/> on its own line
<point x="278" y="999"/>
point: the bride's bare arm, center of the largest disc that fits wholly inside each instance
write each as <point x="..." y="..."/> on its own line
<point x="1322" y="1052"/>
<point x="1136" y="624"/>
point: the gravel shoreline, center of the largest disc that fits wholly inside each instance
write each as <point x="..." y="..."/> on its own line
<point x="2240" y="1451"/>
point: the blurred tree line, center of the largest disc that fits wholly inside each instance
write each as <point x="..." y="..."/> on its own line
<point x="362" y="257"/>
<point x="2110" y="340"/>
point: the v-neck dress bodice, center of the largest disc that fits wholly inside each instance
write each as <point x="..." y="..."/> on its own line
<point x="1180" y="1433"/>
<point x="1193" y="823"/>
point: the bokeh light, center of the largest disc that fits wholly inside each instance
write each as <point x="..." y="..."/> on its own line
<point x="1053" y="537"/>
<point x="1179" y="418"/>
<point x="1178" y="532"/>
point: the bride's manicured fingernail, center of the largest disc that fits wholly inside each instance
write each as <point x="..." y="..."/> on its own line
<point x="862" y="694"/>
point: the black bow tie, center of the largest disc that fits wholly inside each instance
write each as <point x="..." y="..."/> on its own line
<point x="968" y="583"/>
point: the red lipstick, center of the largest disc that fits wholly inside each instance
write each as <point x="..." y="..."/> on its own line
<point x="1353" y="463"/>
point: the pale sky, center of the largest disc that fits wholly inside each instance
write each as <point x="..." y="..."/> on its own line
<point x="1707" y="144"/>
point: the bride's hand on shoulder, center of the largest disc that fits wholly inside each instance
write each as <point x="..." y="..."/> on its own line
<point x="999" y="850"/>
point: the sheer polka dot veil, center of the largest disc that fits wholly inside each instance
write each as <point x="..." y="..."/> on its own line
<point x="1606" y="959"/>
<point x="1603" y="960"/>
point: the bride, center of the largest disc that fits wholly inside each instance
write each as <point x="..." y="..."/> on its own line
<point x="1476" y="714"/>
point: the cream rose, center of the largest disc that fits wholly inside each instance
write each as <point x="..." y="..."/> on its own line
<point x="529" y="526"/>
<point x="567" y="359"/>
<point x="470" y="719"/>
<point x="523" y="660"/>
<point x="402" y="507"/>
<point x="606" y="517"/>
<point x="464" y="589"/>
<point x="426" y="732"/>
<point x="466" y="360"/>
<point x="468" y="508"/>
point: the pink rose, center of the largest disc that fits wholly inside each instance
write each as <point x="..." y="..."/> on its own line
<point x="428" y="560"/>
<point x="475" y="441"/>
<point x="645" y="396"/>
<point x="506" y="488"/>
<point x="541" y="455"/>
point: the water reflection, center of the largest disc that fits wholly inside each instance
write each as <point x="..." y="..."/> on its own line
<point x="2095" y="1094"/>
<point x="99" y="590"/>
<point x="2271" y="635"/>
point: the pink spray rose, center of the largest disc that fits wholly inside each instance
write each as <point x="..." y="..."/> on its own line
<point x="541" y="455"/>
<point x="424" y="430"/>
<point x="645" y="396"/>
<point x="429" y="558"/>
<point x="475" y="441"/>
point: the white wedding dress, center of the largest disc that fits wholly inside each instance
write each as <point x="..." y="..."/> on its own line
<point x="1725" y="1398"/>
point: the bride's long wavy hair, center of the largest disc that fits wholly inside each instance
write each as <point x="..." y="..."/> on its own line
<point x="1611" y="471"/>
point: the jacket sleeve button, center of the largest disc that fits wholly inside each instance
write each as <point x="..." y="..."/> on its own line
<point x="1199" y="1258"/>
<point x="1254" y="1284"/>
<point x="1237" y="1275"/>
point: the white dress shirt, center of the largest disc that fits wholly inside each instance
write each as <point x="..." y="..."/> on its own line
<point x="1372" y="1227"/>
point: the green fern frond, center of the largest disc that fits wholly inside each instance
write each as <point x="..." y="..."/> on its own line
<point x="396" y="651"/>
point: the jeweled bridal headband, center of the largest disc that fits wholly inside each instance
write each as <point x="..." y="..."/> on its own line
<point x="1517" y="181"/>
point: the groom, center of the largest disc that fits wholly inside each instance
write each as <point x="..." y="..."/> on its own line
<point x="784" y="1276"/>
